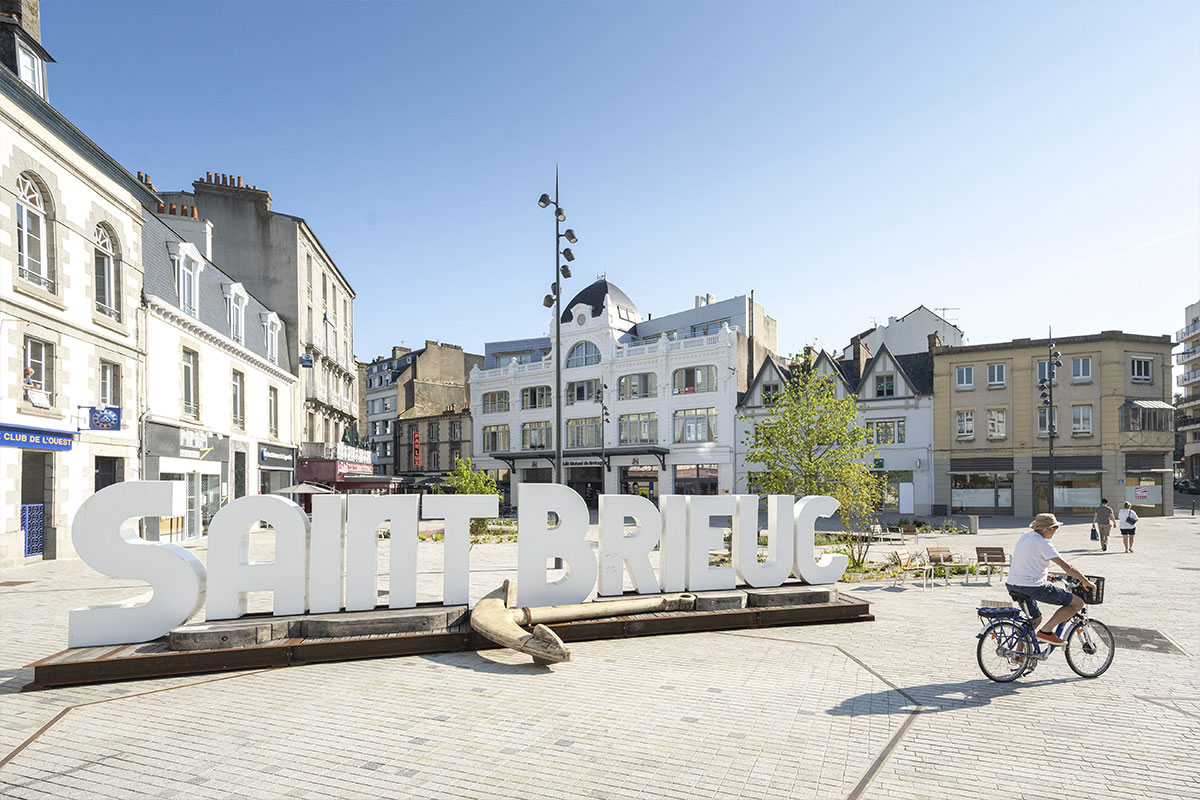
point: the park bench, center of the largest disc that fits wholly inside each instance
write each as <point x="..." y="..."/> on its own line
<point x="993" y="558"/>
<point x="942" y="557"/>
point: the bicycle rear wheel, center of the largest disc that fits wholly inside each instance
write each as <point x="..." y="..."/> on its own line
<point x="999" y="645"/>
<point x="1090" y="648"/>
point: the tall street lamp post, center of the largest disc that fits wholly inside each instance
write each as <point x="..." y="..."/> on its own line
<point x="554" y="300"/>
<point x="1046" y="385"/>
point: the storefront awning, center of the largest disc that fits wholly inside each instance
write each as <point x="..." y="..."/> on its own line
<point x="604" y="454"/>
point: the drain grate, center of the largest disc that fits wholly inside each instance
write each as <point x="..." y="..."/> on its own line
<point x="14" y="583"/>
<point x="1144" y="639"/>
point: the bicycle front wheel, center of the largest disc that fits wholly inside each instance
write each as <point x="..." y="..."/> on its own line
<point x="999" y="650"/>
<point x="1090" y="648"/>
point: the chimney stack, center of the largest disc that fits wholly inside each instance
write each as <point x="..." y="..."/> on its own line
<point x="935" y="341"/>
<point x="861" y="354"/>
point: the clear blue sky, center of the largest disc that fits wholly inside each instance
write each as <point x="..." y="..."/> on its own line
<point x="1026" y="163"/>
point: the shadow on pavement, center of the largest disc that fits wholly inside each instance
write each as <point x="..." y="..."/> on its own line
<point x="11" y="680"/>
<point x="936" y="697"/>
<point x="477" y="662"/>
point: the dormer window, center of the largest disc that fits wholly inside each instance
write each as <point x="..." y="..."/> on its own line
<point x="235" y="309"/>
<point x="32" y="71"/>
<point x="271" y="327"/>
<point x="188" y="265"/>
<point x="185" y="284"/>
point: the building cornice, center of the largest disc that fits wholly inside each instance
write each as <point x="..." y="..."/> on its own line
<point x="171" y="314"/>
<point x="1059" y="341"/>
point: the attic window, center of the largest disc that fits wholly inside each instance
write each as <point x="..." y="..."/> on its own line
<point x="235" y="309"/>
<point x="32" y="71"/>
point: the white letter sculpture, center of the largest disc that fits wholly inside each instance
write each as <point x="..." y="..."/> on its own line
<point x="105" y="535"/>
<point x="832" y="565"/>
<point x="781" y="541"/>
<point x="458" y="510"/>
<point x="539" y="542"/>
<point x="702" y="538"/>
<point x="231" y="572"/>
<point x="618" y="550"/>
<point x="327" y="556"/>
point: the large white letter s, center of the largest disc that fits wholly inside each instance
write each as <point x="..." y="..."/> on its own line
<point x="105" y="535"/>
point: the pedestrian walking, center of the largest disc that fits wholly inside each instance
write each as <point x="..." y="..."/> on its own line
<point x="1127" y="520"/>
<point x="1104" y="519"/>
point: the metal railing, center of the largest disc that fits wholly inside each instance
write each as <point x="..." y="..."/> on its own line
<point x="1188" y="377"/>
<point x="1187" y="355"/>
<point x="1190" y="330"/>
<point x="35" y="278"/>
<point x="108" y="311"/>
<point x="335" y="452"/>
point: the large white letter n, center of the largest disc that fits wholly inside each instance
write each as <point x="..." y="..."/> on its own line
<point x="105" y="536"/>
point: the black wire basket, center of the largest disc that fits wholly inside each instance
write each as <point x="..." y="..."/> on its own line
<point x="1091" y="598"/>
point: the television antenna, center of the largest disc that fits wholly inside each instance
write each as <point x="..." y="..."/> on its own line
<point x="941" y="312"/>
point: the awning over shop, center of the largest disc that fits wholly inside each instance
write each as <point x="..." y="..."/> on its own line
<point x="604" y="454"/>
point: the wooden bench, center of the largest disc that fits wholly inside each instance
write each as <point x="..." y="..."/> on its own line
<point x="942" y="557"/>
<point x="993" y="558"/>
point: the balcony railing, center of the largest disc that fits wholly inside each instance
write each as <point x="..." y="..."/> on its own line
<point x="1186" y="422"/>
<point x="1188" y="402"/>
<point x="335" y="452"/>
<point x="35" y="278"/>
<point x="1190" y="330"/>
<point x="1188" y="378"/>
<point x="108" y="311"/>
<point x="1187" y="355"/>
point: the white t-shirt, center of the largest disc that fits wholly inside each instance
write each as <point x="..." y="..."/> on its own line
<point x="1127" y="518"/>
<point x="1031" y="560"/>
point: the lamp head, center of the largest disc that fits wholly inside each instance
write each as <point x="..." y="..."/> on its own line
<point x="565" y="270"/>
<point x="548" y="301"/>
<point x="560" y="215"/>
<point x="569" y="235"/>
<point x="567" y="254"/>
<point x="544" y="200"/>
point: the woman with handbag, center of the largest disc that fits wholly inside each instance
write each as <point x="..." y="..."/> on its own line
<point x="1127" y="519"/>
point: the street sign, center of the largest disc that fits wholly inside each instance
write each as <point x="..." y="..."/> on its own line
<point x="306" y="360"/>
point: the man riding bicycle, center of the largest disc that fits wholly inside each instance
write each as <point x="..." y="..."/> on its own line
<point x="1027" y="578"/>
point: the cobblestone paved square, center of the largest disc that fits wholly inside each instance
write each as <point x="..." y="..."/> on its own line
<point x="895" y="708"/>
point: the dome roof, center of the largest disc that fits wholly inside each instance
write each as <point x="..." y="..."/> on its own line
<point x="594" y="296"/>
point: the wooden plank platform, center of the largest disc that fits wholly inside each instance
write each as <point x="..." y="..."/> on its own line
<point x="155" y="660"/>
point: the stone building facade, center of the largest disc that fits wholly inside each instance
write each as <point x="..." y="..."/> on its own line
<point x="70" y="285"/>
<point x="649" y="405"/>
<point x="1112" y="414"/>
<point x="1187" y="386"/>
<point x="280" y="260"/>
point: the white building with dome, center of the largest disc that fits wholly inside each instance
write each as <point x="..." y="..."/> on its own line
<point x="649" y="405"/>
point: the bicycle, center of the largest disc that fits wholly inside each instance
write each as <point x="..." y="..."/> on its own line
<point x="1008" y="647"/>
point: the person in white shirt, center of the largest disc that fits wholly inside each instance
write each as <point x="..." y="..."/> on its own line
<point x="1027" y="578"/>
<point x="1127" y="521"/>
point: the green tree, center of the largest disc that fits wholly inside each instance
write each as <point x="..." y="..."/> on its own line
<point x="465" y="479"/>
<point x="812" y="442"/>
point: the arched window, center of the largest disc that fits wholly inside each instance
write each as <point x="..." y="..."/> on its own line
<point x="695" y="379"/>
<point x="107" y="300"/>
<point x="634" y="387"/>
<point x="583" y="354"/>
<point x="31" y="234"/>
<point x="494" y="402"/>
